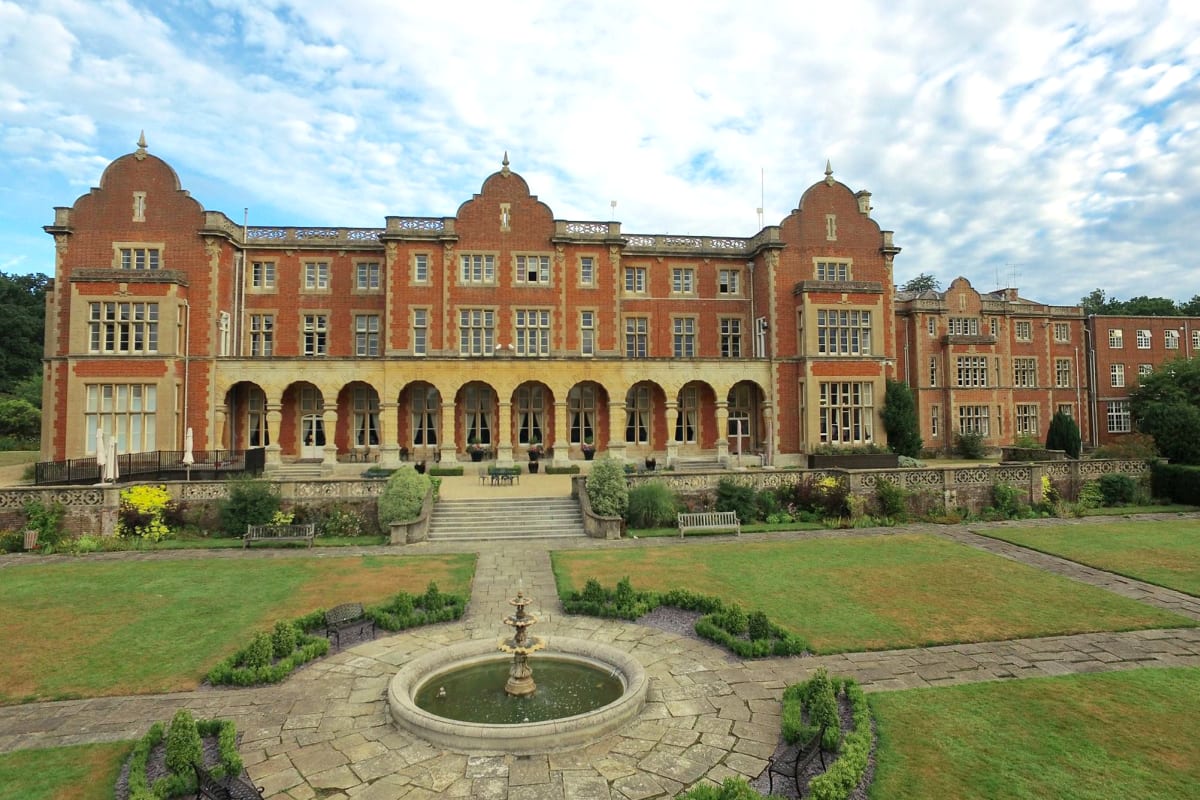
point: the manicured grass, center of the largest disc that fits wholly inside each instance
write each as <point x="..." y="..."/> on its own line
<point x="93" y="628"/>
<point x="1162" y="553"/>
<point x="873" y="592"/>
<point x="758" y="527"/>
<point x="1080" y="737"/>
<point x="226" y="543"/>
<point x="81" y="772"/>
<point x="11" y="458"/>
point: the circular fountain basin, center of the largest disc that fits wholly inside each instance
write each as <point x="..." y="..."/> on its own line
<point x="429" y="672"/>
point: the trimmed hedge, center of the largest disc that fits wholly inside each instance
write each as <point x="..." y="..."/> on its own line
<point x="853" y="749"/>
<point x="550" y="469"/>
<point x="1179" y="483"/>
<point x="179" y="784"/>
<point x="723" y="624"/>
<point x="444" y="471"/>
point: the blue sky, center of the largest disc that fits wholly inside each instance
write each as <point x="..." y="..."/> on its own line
<point x="1054" y="146"/>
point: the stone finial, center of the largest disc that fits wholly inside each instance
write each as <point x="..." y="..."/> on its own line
<point x="504" y="164"/>
<point x="828" y="172"/>
<point x="140" y="153"/>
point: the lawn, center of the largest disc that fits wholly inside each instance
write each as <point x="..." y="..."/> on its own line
<point x="1079" y="737"/>
<point x="12" y="458"/>
<point x="1163" y="553"/>
<point x="873" y="592"/>
<point x="81" y="772"/>
<point x="88" y="629"/>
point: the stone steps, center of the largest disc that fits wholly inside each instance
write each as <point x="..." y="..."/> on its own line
<point x="517" y="518"/>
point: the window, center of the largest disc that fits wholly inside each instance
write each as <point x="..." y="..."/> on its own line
<point x="223" y="320"/>
<point x="994" y="326"/>
<point x="425" y="406"/>
<point x="1145" y="369"/>
<point x="587" y="271"/>
<point x="366" y="417"/>
<point x="833" y="270"/>
<point x="637" y="415"/>
<point x="1062" y="332"/>
<point x="931" y="324"/>
<point x="420" y="268"/>
<point x="1023" y="330"/>
<point x="505" y="216"/>
<point x="531" y="411"/>
<point x="581" y="406"/>
<point x="684" y="338"/>
<point x="933" y="371"/>
<point x="973" y="419"/>
<point x="257" y="432"/>
<point x="587" y="333"/>
<point x="366" y="335"/>
<point x="1027" y="419"/>
<point x="1116" y="338"/>
<point x="1062" y="373"/>
<point x="635" y="279"/>
<point x="636" y="335"/>
<point x="262" y="335"/>
<point x="476" y="331"/>
<point x="477" y="268"/>
<point x="972" y="371"/>
<point x="1143" y="339"/>
<point x="127" y="412"/>
<point x="367" y="276"/>
<point x="532" y="330"/>
<point x="123" y="328"/>
<point x="729" y="281"/>
<point x="843" y="333"/>
<point x="683" y="280"/>
<point x="1171" y="340"/>
<point x="262" y="274"/>
<point x="533" y="270"/>
<point x="964" y="326"/>
<point x="1117" y="374"/>
<point x="1195" y="341"/>
<point x="1066" y="408"/>
<point x="687" y="420"/>
<point x="731" y="337"/>
<point x="1118" y="416"/>
<point x="316" y="341"/>
<point x="1025" y="373"/>
<point x="935" y="415"/>
<point x="420" y="337"/>
<point x="477" y="414"/>
<point x="847" y="413"/>
<point x="140" y="257"/>
<point x="316" y="275"/>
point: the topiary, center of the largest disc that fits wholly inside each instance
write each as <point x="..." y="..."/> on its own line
<point x="758" y="626"/>
<point x="402" y="496"/>
<point x="651" y="505"/>
<point x="607" y="488"/>
<point x="283" y="638"/>
<point x="1063" y="434"/>
<point x="821" y="702"/>
<point x="259" y="651"/>
<point x="183" y="743"/>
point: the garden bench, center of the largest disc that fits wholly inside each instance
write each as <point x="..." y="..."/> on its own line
<point x="230" y="788"/>
<point x="279" y="533"/>
<point x="794" y="767"/>
<point x="344" y="617"/>
<point x="509" y="475"/>
<point x="709" y="521"/>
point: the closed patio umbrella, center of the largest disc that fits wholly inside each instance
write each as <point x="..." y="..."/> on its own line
<point x="188" y="457"/>
<point x="102" y="454"/>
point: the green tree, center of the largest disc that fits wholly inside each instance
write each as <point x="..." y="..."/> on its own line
<point x="925" y="282"/>
<point x="1191" y="308"/>
<point x="900" y="420"/>
<point x="1064" y="435"/>
<point x="1095" y="302"/>
<point x="1143" y="306"/>
<point x="19" y="418"/>
<point x="1166" y="405"/>
<point x="23" y="309"/>
<point x="607" y="488"/>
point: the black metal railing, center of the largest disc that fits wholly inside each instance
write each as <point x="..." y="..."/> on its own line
<point x="156" y="465"/>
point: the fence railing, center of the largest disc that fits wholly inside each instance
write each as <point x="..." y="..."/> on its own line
<point x="158" y="465"/>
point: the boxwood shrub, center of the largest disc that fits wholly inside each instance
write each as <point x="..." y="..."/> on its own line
<point x="182" y="783"/>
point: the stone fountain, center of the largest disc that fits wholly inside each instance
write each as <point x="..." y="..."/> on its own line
<point x="520" y="674"/>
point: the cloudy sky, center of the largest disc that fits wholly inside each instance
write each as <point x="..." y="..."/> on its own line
<point x="1050" y="145"/>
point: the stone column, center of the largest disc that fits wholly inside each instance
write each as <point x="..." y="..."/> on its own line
<point x="723" y="431"/>
<point x="616" y="429"/>
<point x="224" y="439"/>
<point x="389" y="448"/>
<point x="562" y="435"/>
<point x="448" y="433"/>
<point x="672" y="422"/>
<point x="502" y="440"/>
<point x="770" y="445"/>
<point x="274" y="426"/>
<point x="330" y="417"/>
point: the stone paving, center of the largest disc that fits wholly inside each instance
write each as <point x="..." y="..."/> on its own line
<point x="326" y="731"/>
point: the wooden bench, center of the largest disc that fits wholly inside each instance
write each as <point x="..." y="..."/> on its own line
<point x="793" y="768"/>
<point x="509" y="475"/>
<point x="709" y="521"/>
<point x="344" y="617"/>
<point x="229" y="788"/>
<point x="279" y="533"/>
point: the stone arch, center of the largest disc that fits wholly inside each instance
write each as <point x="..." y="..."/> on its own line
<point x="245" y="425"/>
<point x="746" y="429"/>
<point x="302" y="432"/>
<point x="587" y="416"/>
<point x="358" y="424"/>
<point x="695" y="417"/>
<point x="645" y="417"/>
<point x="419" y="424"/>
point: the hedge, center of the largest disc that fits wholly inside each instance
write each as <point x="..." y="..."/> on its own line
<point x="1179" y="483"/>
<point x="180" y="784"/>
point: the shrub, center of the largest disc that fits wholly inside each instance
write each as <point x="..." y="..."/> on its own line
<point x="891" y="500"/>
<point x="250" y="502"/>
<point x="142" y="512"/>
<point x="757" y="625"/>
<point x="734" y="619"/>
<point x="1179" y="483"/>
<point x="846" y="772"/>
<point x="182" y="783"/>
<point x="11" y="541"/>
<point x="970" y="445"/>
<point x="735" y="497"/>
<point x="183" y="742"/>
<point x="1090" y="495"/>
<point x="821" y="702"/>
<point x="1006" y="501"/>
<point x="1117" y="490"/>
<point x="402" y="496"/>
<point x="651" y="505"/>
<point x="767" y="504"/>
<point x="283" y="638"/>
<point x="47" y="520"/>
<point x="1063" y="434"/>
<point x="1175" y="427"/>
<point x="900" y="420"/>
<point x="342" y="521"/>
<point x="825" y="497"/>
<point x="1133" y="446"/>
<point x="607" y="489"/>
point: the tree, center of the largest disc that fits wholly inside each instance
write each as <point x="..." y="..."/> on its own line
<point x="1095" y="302"/>
<point x="1191" y="308"/>
<point x="1143" y="306"/>
<point x="1064" y="435"/>
<point x="1166" y="405"/>
<point x="925" y="282"/>
<point x="19" y="418"/>
<point x="900" y="420"/>
<point x="23" y="309"/>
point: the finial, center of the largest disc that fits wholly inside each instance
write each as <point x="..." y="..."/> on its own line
<point x="828" y="172"/>
<point x="141" y="143"/>
<point x="504" y="164"/>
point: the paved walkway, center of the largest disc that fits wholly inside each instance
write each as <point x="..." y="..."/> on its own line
<point x="326" y="731"/>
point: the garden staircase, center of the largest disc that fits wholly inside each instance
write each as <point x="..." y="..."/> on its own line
<point x="516" y="518"/>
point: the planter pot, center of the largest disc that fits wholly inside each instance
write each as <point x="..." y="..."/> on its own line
<point x="31" y="537"/>
<point x="477" y="455"/>
<point x="588" y="455"/>
<point x="651" y="463"/>
<point x="533" y="467"/>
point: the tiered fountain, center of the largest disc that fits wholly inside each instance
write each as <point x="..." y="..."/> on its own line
<point x="467" y="697"/>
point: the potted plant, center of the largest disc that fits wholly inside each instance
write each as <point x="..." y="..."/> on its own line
<point x="535" y="452"/>
<point x="589" y="449"/>
<point x="651" y="463"/>
<point x="474" y="448"/>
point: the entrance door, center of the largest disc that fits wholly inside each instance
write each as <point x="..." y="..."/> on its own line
<point x="739" y="434"/>
<point x="312" y="436"/>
